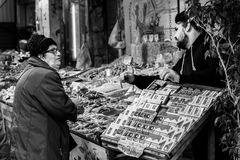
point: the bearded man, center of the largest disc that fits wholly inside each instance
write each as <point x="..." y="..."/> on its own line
<point x="196" y="65"/>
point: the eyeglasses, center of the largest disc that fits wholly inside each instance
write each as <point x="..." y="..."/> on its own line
<point x="53" y="51"/>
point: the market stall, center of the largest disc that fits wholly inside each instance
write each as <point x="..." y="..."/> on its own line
<point x="164" y="118"/>
<point x="158" y="122"/>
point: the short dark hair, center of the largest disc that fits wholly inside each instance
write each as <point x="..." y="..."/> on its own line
<point x="38" y="44"/>
<point x="183" y="18"/>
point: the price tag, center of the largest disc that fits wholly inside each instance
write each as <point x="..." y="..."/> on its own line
<point x="150" y="38"/>
<point x="156" y="37"/>
<point x="108" y="72"/>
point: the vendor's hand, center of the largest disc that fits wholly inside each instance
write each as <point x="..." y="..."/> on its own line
<point x="168" y="74"/>
<point x="127" y="77"/>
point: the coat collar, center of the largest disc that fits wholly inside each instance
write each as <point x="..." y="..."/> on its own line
<point x="36" y="62"/>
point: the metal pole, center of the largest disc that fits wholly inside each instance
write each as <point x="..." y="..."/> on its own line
<point x="80" y="20"/>
<point x="178" y="5"/>
<point x="86" y="27"/>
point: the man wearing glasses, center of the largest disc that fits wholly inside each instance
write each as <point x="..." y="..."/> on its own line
<point x="41" y="106"/>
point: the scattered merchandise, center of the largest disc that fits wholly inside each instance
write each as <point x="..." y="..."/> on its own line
<point x="159" y="118"/>
<point x="137" y="122"/>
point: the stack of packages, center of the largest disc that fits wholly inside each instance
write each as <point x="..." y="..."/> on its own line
<point x="158" y="119"/>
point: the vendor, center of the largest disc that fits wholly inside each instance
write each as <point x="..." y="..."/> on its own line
<point x="196" y="66"/>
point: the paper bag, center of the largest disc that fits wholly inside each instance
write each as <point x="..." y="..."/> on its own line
<point x="114" y="36"/>
<point x="83" y="58"/>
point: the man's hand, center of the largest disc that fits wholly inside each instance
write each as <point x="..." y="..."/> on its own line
<point x="168" y="74"/>
<point x="127" y="77"/>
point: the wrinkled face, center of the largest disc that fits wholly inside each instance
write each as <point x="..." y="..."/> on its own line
<point x="181" y="36"/>
<point x="53" y="57"/>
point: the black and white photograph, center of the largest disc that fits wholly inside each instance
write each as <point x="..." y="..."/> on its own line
<point x="119" y="79"/>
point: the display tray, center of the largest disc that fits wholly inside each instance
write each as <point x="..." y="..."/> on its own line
<point x="150" y="154"/>
<point x="164" y="120"/>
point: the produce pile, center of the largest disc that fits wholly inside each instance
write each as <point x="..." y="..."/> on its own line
<point x="12" y="71"/>
<point x="115" y="70"/>
<point x="6" y="95"/>
<point x="99" y="112"/>
<point x="8" y="80"/>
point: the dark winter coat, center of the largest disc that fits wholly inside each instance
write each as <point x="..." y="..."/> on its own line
<point x="41" y="108"/>
<point x="206" y="68"/>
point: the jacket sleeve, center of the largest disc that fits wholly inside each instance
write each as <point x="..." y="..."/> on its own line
<point x="208" y="76"/>
<point x="54" y="100"/>
<point x="143" y="82"/>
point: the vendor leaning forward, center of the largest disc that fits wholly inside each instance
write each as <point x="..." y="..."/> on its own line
<point x="41" y="106"/>
<point x="195" y="67"/>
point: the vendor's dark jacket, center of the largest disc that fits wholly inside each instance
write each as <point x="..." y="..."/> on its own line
<point x="206" y="68"/>
<point x="41" y="109"/>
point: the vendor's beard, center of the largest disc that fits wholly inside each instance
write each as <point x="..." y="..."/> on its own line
<point x="183" y="43"/>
